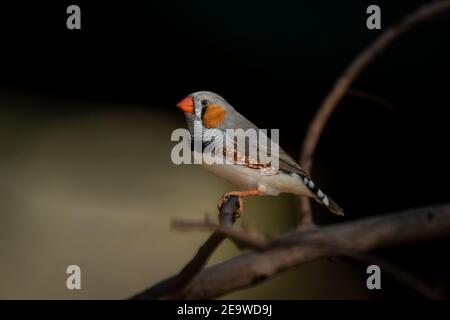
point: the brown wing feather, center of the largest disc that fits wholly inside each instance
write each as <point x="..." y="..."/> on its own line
<point x="286" y="163"/>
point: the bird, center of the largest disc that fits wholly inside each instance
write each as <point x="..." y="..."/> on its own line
<point x="216" y="116"/>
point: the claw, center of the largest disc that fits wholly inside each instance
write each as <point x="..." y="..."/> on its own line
<point x="225" y="198"/>
<point x="241" y="195"/>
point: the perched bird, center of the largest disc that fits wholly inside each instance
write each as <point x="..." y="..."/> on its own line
<point x="216" y="115"/>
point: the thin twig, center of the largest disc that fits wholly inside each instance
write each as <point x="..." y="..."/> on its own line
<point x="344" y="82"/>
<point x="373" y="98"/>
<point x="242" y="238"/>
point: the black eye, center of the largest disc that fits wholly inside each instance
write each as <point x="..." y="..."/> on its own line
<point x="204" y="102"/>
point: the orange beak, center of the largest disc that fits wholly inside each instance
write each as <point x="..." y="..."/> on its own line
<point x="187" y="104"/>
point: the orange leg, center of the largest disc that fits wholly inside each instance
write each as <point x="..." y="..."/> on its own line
<point x="241" y="195"/>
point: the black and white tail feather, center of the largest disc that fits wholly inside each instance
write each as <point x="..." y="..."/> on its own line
<point x="321" y="197"/>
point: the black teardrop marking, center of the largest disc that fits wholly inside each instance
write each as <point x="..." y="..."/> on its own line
<point x="203" y="111"/>
<point x="204" y="144"/>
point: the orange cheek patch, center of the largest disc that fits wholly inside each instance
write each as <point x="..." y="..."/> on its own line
<point x="213" y="116"/>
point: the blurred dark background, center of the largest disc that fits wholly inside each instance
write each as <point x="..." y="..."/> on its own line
<point x="274" y="61"/>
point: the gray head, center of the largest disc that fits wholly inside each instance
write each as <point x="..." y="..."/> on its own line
<point x="208" y="107"/>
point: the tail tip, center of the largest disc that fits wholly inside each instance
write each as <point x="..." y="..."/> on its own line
<point x="333" y="207"/>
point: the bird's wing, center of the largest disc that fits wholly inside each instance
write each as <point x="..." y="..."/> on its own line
<point x="286" y="163"/>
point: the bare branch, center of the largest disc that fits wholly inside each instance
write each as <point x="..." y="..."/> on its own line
<point x="252" y="240"/>
<point x="372" y="97"/>
<point x="344" y="82"/>
<point x="299" y="247"/>
<point x="242" y="238"/>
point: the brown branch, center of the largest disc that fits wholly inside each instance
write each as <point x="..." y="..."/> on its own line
<point x="344" y="82"/>
<point x="169" y="287"/>
<point x="352" y="239"/>
<point x="242" y="238"/>
<point x="302" y="246"/>
<point x="252" y="240"/>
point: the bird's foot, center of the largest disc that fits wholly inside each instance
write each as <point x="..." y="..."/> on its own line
<point x="241" y="195"/>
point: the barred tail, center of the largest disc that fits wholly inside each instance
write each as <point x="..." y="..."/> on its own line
<point x="332" y="206"/>
<point x="322" y="198"/>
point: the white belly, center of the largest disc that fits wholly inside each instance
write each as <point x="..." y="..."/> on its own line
<point x="245" y="178"/>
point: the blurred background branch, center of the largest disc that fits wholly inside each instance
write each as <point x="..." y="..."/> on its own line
<point x="343" y="84"/>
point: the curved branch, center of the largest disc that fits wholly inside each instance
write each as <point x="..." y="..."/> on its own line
<point x="298" y="247"/>
<point x="344" y="82"/>
<point x="253" y="240"/>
